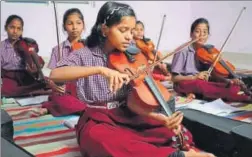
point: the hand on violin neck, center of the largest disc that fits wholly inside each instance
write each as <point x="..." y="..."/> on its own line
<point x="204" y="75"/>
<point x="115" y="78"/>
<point x="173" y="122"/>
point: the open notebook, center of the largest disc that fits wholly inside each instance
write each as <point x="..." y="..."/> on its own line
<point x="216" y="107"/>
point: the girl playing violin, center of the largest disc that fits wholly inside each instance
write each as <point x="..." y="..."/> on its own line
<point x="73" y="24"/>
<point x="107" y="127"/>
<point x="161" y="73"/>
<point x="16" y="78"/>
<point x="189" y="74"/>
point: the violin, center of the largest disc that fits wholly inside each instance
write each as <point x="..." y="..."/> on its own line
<point x="28" y="49"/>
<point x="207" y="55"/>
<point x="147" y="47"/>
<point x="210" y="55"/>
<point x="148" y="50"/>
<point x="145" y="92"/>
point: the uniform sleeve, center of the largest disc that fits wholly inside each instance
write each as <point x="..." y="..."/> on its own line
<point x="74" y="59"/>
<point x="53" y="60"/>
<point x="178" y="63"/>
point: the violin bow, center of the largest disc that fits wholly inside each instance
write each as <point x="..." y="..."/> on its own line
<point x="224" y="44"/>
<point x="160" y="34"/>
<point x="175" y="51"/>
<point x="166" y="56"/>
<point x="57" y="30"/>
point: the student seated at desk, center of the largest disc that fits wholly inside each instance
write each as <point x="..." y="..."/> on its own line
<point x="17" y="67"/>
<point x="107" y="126"/>
<point x="189" y="74"/>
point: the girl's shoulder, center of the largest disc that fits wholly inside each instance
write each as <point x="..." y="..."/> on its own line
<point x="87" y="52"/>
<point x="189" y="50"/>
<point x="64" y="43"/>
<point x="4" y="42"/>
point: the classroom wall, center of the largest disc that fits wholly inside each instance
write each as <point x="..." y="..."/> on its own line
<point x="40" y="23"/>
<point x="222" y="16"/>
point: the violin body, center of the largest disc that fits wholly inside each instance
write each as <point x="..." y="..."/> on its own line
<point x="27" y="48"/>
<point x="145" y="99"/>
<point x="148" y="49"/>
<point x="208" y="55"/>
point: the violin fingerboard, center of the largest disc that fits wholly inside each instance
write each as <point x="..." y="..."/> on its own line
<point x="158" y="95"/>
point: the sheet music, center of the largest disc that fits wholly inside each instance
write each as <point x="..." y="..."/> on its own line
<point x="216" y="107"/>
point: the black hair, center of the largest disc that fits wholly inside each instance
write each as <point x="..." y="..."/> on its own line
<point x="140" y="22"/>
<point x="200" y="21"/>
<point x="110" y="14"/>
<point x="11" y="18"/>
<point x="144" y="38"/>
<point x="70" y="12"/>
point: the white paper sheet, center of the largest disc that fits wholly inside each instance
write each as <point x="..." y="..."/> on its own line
<point x="216" y="107"/>
<point x="32" y="100"/>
